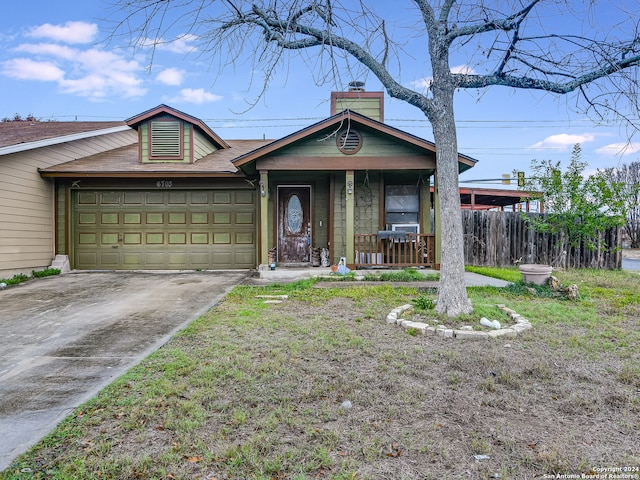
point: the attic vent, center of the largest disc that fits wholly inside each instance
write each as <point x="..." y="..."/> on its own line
<point x="349" y="142"/>
<point x="165" y="139"/>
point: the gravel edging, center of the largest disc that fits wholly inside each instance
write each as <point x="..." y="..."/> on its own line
<point x="521" y="324"/>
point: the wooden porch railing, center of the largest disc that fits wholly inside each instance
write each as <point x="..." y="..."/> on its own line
<point x="395" y="249"/>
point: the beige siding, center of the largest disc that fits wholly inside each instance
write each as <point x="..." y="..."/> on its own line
<point x="27" y="212"/>
<point x="61" y="221"/>
<point x="201" y="146"/>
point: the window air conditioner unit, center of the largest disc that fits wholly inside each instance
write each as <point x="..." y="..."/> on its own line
<point x="405" y="227"/>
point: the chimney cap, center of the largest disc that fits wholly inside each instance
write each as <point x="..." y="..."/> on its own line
<point x="356" y="86"/>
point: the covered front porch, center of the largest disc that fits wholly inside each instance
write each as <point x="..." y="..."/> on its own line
<point x="350" y="186"/>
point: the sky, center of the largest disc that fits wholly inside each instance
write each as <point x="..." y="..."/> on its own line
<point x="57" y="63"/>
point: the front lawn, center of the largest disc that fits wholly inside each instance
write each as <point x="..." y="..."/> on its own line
<point x="320" y="386"/>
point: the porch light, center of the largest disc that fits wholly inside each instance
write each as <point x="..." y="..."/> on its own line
<point x="350" y="187"/>
<point x="262" y="190"/>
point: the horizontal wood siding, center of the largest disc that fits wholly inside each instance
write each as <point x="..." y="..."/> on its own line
<point x="321" y="212"/>
<point x="28" y="211"/>
<point x="61" y="211"/>
<point x="367" y="194"/>
<point x="371" y="107"/>
<point x="339" y="220"/>
<point x="324" y="144"/>
<point x="201" y="146"/>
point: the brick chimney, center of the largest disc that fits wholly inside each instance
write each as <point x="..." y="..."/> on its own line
<point x="356" y="99"/>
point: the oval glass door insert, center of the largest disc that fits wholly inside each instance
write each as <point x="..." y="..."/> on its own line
<point x="294" y="214"/>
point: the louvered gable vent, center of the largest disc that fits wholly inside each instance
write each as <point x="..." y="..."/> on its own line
<point x="349" y="142"/>
<point x="165" y="139"/>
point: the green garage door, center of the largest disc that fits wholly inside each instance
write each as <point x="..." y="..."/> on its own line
<point x="164" y="229"/>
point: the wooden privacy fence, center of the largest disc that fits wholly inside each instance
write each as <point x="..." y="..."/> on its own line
<point x="504" y="238"/>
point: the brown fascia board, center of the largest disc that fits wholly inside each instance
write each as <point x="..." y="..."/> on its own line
<point x="337" y="119"/>
<point x="151" y="174"/>
<point x="136" y="120"/>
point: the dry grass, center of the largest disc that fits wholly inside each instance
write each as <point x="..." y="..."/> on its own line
<point x="255" y="390"/>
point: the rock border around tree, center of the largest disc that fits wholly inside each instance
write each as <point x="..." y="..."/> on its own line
<point x="521" y="324"/>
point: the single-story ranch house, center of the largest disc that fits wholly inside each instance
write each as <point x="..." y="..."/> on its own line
<point x="161" y="190"/>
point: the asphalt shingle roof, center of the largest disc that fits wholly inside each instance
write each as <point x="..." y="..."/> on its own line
<point x="16" y="133"/>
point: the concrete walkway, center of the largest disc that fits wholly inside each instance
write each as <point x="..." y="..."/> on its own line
<point x="286" y="275"/>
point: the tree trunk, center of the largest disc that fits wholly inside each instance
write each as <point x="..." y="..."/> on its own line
<point x="452" y="293"/>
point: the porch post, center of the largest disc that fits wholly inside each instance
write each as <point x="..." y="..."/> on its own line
<point x="437" y="223"/>
<point x="350" y="216"/>
<point x="425" y="202"/>
<point x="264" y="217"/>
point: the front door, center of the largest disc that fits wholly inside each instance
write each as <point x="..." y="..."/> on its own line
<point x="294" y="224"/>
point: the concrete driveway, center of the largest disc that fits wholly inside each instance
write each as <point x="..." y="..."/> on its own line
<point x="64" y="338"/>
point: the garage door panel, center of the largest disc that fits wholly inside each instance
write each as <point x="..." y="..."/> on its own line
<point x="108" y="259"/>
<point x="244" y="238"/>
<point x="132" y="260"/>
<point x="133" y="198"/>
<point x="199" y="198"/>
<point x="199" y="259"/>
<point x="155" y="259"/>
<point x="90" y="259"/>
<point x="164" y="229"/>
<point x="176" y="259"/>
<point x="109" y="238"/>
<point x="199" y="238"/>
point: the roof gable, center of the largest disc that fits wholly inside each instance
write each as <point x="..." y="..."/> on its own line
<point x="336" y="123"/>
<point x="161" y="110"/>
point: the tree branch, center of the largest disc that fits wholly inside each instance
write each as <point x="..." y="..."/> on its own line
<point x="480" y="81"/>
<point x="504" y="24"/>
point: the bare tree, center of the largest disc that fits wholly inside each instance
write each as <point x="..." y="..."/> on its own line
<point x="628" y="176"/>
<point x="531" y="44"/>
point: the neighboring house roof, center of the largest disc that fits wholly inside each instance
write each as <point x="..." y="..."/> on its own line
<point x="162" y="109"/>
<point x="21" y="136"/>
<point x="124" y="162"/>
<point x="336" y="121"/>
<point x="481" y="198"/>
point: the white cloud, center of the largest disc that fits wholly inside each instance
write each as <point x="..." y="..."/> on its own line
<point x="181" y="44"/>
<point x="619" y="149"/>
<point x="197" y="96"/>
<point x="425" y="83"/>
<point x="171" y="76"/>
<point x="464" y="69"/>
<point x="70" y="32"/>
<point x="49" y="49"/>
<point x="27" y="69"/>
<point x="422" y="83"/>
<point x="563" y="141"/>
<point x="92" y="73"/>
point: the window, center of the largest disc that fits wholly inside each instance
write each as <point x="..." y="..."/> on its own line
<point x="402" y="205"/>
<point x="349" y="141"/>
<point x="166" y="141"/>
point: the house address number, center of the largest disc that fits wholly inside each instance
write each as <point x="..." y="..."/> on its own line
<point x="164" y="184"/>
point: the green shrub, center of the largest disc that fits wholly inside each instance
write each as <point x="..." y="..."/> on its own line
<point x="16" y="279"/>
<point x="423" y="303"/>
<point x="46" y="272"/>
